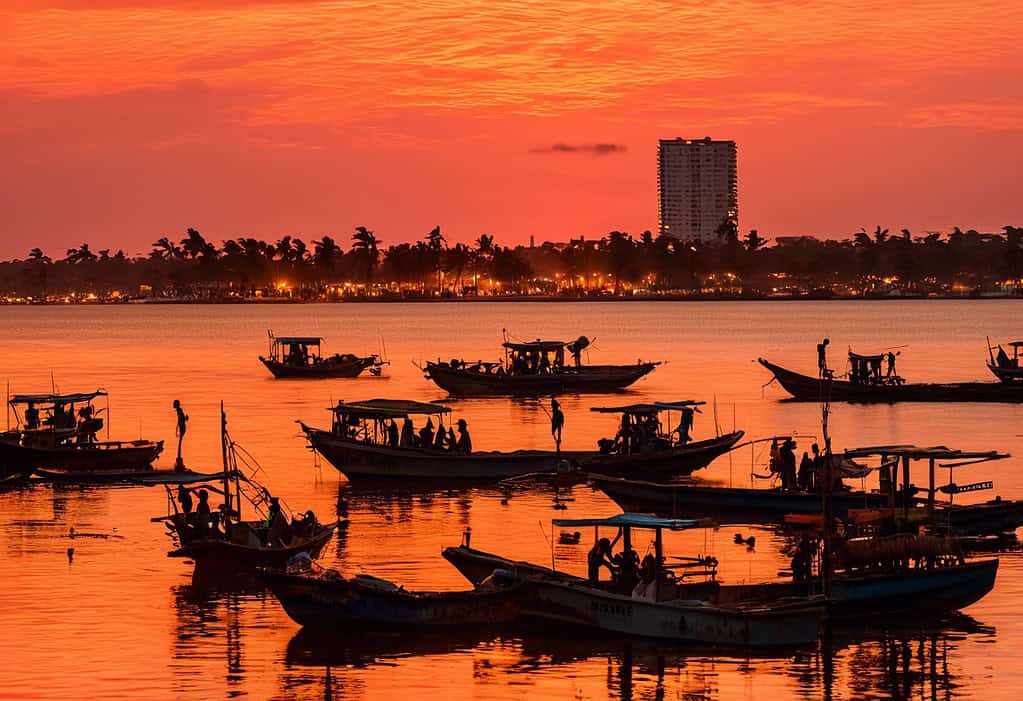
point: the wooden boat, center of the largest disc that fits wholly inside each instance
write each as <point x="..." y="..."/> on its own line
<point x="229" y="545"/>
<point x="810" y="389"/>
<point x="143" y="477"/>
<point x="299" y="357"/>
<point x="662" y="604"/>
<point x="355" y="445"/>
<point x="854" y="595"/>
<point x="49" y="436"/>
<point x="534" y="368"/>
<point x="328" y="600"/>
<point x="1007" y="369"/>
<point x="728" y="504"/>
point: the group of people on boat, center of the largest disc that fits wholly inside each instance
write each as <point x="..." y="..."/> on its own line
<point x="386" y="432"/>
<point x="866" y="369"/>
<point x="807" y="477"/>
<point x="641" y="433"/>
<point x="198" y="521"/>
<point x="629" y="574"/>
<point x="63" y="417"/>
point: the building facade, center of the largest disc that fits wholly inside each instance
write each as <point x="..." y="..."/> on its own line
<point x="697" y="188"/>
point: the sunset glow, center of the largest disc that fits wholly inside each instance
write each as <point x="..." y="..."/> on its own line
<point x="123" y="123"/>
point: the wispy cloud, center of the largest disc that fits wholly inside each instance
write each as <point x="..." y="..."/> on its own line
<point x="592" y="149"/>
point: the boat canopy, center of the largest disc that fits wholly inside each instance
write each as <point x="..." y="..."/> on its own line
<point x="914" y="452"/>
<point x="651" y="408"/>
<point x="389" y="408"/>
<point x="631" y="521"/>
<point x="537" y="345"/>
<point x="860" y="356"/>
<point x="297" y="340"/>
<point x="1015" y="344"/>
<point x="56" y="398"/>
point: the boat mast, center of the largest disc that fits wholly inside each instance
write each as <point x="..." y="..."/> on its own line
<point x="826" y="483"/>
<point x="227" y="473"/>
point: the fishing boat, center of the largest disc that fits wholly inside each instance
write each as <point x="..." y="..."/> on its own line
<point x="300" y="357"/>
<point x="992" y="517"/>
<point x="359" y="446"/>
<point x="868" y="580"/>
<point x="534" y="368"/>
<point x="220" y="541"/>
<point x="669" y="599"/>
<point x="58" y="432"/>
<point x="805" y="388"/>
<point x="322" y="598"/>
<point x="1005" y="367"/>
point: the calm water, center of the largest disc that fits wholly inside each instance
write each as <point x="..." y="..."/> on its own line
<point x="121" y="620"/>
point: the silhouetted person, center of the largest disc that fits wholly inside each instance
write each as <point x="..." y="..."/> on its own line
<point x="818" y="464"/>
<point x="891" y="364"/>
<point x="599" y="556"/>
<point x="442" y="436"/>
<point x="426" y="434"/>
<point x="392" y="434"/>
<point x="408" y="433"/>
<point x="464" y="441"/>
<point x="185" y="498"/>
<point x="31" y="416"/>
<point x="557" y="423"/>
<point x="182" y="429"/>
<point x="822" y="357"/>
<point x="805" y="476"/>
<point x="452" y="441"/>
<point x="788" y="465"/>
<point x="202" y="514"/>
<point x="685" y="424"/>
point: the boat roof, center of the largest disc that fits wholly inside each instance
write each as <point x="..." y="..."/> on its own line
<point x="649" y="408"/>
<point x="916" y="452"/>
<point x="389" y="408"/>
<point x="630" y="520"/>
<point x="871" y="356"/>
<point x="307" y="340"/>
<point x="1015" y="344"/>
<point x="537" y="345"/>
<point x="56" y="398"/>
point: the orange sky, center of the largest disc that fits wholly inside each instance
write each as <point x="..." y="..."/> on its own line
<point x="123" y="121"/>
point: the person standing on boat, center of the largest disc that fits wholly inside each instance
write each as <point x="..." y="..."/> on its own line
<point x="393" y="439"/>
<point x="452" y="442"/>
<point x="202" y="514"/>
<point x="185" y="499"/>
<point x="891" y="365"/>
<point x="442" y="435"/>
<point x="805" y="477"/>
<point x="464" y="444"/>
<point x="685" y="424"/>
<point x="822" y="357"/>
<point x="818" y="465"/>
<point x="557" y="423"/>
<point x="788" y="465"/>
<point x="599" y="556"/>
<point x="182" y="428"/>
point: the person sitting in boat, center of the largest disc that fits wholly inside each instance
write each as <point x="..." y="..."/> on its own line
<point x="277" y="525"/>
<point x="393" y="437"/>
<point x="649" y="573"/>
<point x="31" y="416"/>
<point x="87" y="425"/>
<point x="774" y="461"/>
<point x="441" y="440"/>
<point x="464" y="443"/>
<point x="452" y="440"/>
<point x="426" y="434"/>
<point x="408" y="434"/>
<point x="627" y="565"/>
<point x="545" y="364"/>
<point x="802" y="561"/>
<point x="600" y="556"/>
<point x="875" y="369"/>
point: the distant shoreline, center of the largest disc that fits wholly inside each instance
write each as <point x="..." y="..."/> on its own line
<point x="509" y="300"/>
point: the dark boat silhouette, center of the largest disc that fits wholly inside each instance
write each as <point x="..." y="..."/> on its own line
<point x="299" y="357"/>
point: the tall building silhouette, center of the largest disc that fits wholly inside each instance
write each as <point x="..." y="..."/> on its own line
<point x="697" y="187"/>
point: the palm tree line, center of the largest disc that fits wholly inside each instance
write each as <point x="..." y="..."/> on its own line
<point x="616" y="264"/>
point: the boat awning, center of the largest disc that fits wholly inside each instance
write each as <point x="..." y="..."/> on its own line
<point x="56" y="398"/>
<point x="914" y="452"/>
<point x="292" y="340"/>
<point x="859" y="356"/>
<point x="630" y="521"/>
<point x="537" y="345"/>
<point x="389" y="408"/>
<point x="1015" y="344"/>
<point x="650" y="408"/>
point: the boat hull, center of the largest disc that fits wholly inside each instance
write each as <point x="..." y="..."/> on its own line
<point x="328" y="368"/>
<point x="571" y="380"/>
<point x="810" y="389"/>
<point x="214" y="557"/>
<point x="84" y="458"/>
<point x="319" y="603"/>
<point x="680" y="460"/>
<point x="1008" y="375"/>
<point x="737" y="505"/>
